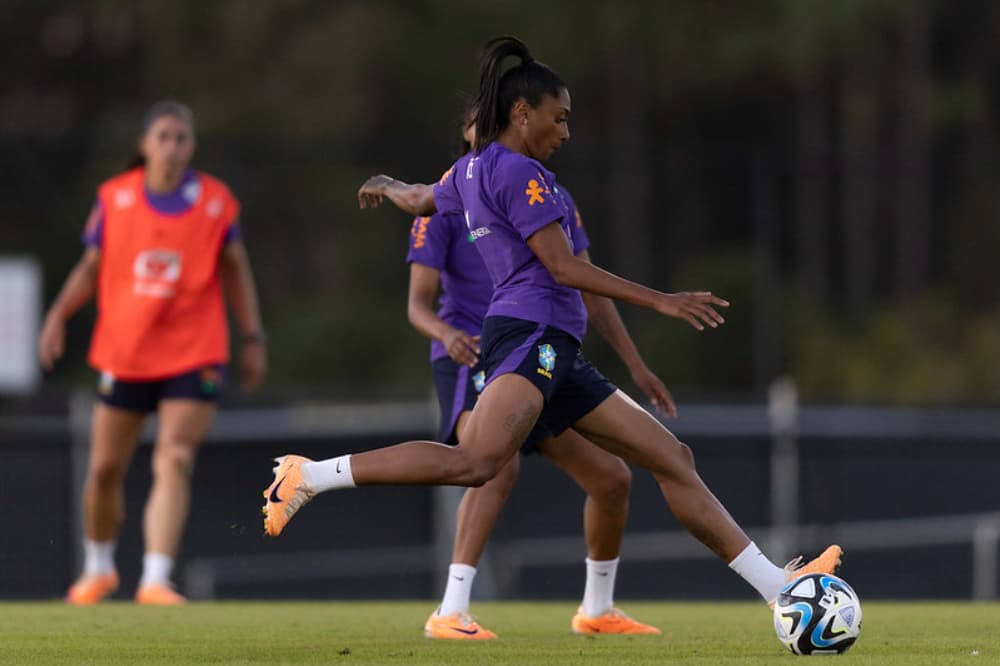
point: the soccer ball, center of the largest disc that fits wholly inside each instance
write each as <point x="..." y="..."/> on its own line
<point x="817" y="614"/>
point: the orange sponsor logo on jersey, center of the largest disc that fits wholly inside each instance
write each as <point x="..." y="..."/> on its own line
<point x="534" y="192"/>
<point x="419" y="232"/>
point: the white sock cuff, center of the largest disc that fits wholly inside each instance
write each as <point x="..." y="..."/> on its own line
<point x="330" y="474"/>
<point x="750" y="552"/>
<point x="156" y="569"/>
<point x="755" y="568"/>
<point x="98" y="557"/>
<point x="466" y="571"/>
<point x="603" y="564"/>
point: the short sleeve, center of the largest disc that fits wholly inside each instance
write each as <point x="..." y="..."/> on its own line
<point x="233" y="233"/>
<point x="446" y="197"/>
<point x="230" y="210"/>
<point x="93" y="230"/>
<point x="526" y="197"/>
<point x="577" y="233"/>
<point x="429" y="242"/>
<point x="229" y="215"/>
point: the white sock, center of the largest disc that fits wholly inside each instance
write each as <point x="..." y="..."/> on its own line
<point x="331" y="474"/>
<point x="766" y="577"/>
<point x="458" y="591"/>
<point x="599" y="592"/>
<point x="98" y="557"/>
<point x="156" y="568"/>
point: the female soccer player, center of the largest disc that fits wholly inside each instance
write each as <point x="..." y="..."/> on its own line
<point x="441" y="255"/>
<point x="531" y="335"/>
<point x="160" y="242"/>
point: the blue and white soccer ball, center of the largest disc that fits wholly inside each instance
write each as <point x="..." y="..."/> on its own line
<point x="817" y="614"/>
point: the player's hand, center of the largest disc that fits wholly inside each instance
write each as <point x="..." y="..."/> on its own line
<point x="694" y="307"/>
<point x="655" y="390"/>
<point x="253" y="365"/>
<point x="371" y="192"/>
<point x="52" y="341"/>
<point x="462" y="347"/>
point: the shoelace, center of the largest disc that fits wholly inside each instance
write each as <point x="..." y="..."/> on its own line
<point x="794" y="565"/>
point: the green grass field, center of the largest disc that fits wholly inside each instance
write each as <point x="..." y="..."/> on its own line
<point x="530" y="633"/>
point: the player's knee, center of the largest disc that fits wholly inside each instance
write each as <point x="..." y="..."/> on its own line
<point x="107" y="473"/>
<point x="173" y="457"/>
<point x="676" y="465"/>
<point x="477" y="470"/>
<point x="615" y="485"/>
<point x="686" y="454"/>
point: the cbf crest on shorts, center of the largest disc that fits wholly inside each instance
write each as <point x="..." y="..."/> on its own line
<point x="479" y="381"/>
<point x="546" y="360"/>
<point x="106" y="384"/>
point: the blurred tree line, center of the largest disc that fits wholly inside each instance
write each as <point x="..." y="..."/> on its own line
<point x="827" y="166"/>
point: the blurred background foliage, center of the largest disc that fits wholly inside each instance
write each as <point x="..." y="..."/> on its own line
<point x="827" y="166"/>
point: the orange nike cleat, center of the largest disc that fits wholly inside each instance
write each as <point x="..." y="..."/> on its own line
<point x="159" y="595"/>
<point x="286" y="494"/>
<point x="827" y="563"/>
<point x="459" y="626"/>
<point x="89" y="590"/>
<point x="613" y="621"/>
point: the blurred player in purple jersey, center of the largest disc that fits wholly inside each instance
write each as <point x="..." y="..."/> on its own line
<point x="442" y="255"/>
<point x="532" y="331"/>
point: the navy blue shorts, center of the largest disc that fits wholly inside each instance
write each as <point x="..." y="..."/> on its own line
<point x="144" y="396"/>
<point x="550" y="359"/>
<point x="458" y="387"/>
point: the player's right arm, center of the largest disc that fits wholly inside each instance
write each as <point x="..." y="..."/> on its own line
<point x="415" y="199"/>
<point x="550" y="246"/>
<point x="424" y="282"/>
<point x="79" y="288"/>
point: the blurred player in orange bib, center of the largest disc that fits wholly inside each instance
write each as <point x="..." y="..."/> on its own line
<point x="161" y="242"/>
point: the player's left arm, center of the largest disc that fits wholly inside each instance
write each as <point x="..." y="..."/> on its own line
<point x="607" y="321"/>
<point x="237" y="276"/>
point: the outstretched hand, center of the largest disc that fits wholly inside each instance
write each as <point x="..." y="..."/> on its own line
<point x="655" y="390"/>
<point x="371" y="192"/>
<point x="694" y="307"/>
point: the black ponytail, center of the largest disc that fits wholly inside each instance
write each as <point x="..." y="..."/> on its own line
<point x="165" y="107"/>
<point x="498" y="90"/>
<point x="469" y="114"/>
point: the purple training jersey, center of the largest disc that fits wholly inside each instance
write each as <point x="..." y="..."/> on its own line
<point x="175" y="202"/>
<point x="443" y="242"/>
<point x="505" y="197"/>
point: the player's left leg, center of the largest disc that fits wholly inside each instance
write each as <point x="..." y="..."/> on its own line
<point x="183" y="424"/>
<point x="607" y="481"/>
<point x="621" y="426"/>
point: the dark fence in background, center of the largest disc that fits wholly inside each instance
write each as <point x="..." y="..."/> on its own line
<point x="842" y="479"/>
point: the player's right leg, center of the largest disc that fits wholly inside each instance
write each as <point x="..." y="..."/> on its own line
<point x="503" y="416"/>
<point x="113" y="437"/>
<point x="477" y="515"/>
